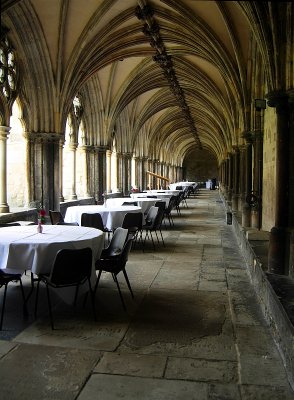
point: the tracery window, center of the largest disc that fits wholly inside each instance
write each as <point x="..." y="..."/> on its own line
<point x="7" y="69"/>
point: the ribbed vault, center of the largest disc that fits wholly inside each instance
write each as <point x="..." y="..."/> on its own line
<point x="99" y="52"/>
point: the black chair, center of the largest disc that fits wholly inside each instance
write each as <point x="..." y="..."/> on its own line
<point x="94" y="220"/>
<point x="71" y="267"/>
<point x="114" y="265"/>
<point x="56" y="218"/>
<point x="133" y="223"/>
<point x="148" y="227"/>
<point x="5" y="279"/>
<point x="168" y="210"/>
<point x="5" y="225"/>
<point x="116" y="244"/>
<point x="130" y="203"/>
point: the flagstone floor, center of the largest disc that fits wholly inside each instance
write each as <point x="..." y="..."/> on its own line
<point x="193" y="331"/>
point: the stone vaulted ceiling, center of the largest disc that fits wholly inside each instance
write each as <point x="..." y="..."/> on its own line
<point x="171" y="76"/>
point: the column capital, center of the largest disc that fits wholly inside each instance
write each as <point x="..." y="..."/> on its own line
<point x="4" y="132"/>
<point x="279" y="100"/>
<point x="247" y="135"/>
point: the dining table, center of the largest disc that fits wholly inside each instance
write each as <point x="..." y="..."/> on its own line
<point x="158" y="196"/>
<point x="112" y="217"/>
<point x="143" y="202"/>
<point x="23" y="248"/>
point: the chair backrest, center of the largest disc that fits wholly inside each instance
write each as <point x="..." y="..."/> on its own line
<point x="158" y="218"/>
<point x="68" y="223"/>
<point x="3" y="225"/>
<point x="171" y="204"/>
<point x="92" y="221"/>
<point x="160" y="204"/>
<point x="117" y="242"/>
<point x="71" y="266"/>
<point x="125" y="253"/>
<point x="151" y="216"/>
<point x="132" y="219"/>
<point x="129" y="203"/>
<point x="55" y="217"/>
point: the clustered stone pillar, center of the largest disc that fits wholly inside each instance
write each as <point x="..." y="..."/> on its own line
<point x="246" y="209"/>
<point x="277" y="255"/>
<point x="4" y="131"/>
<point x="61" y="144"/>
<point x="108" y="170"/>
<point x="101" y="172"/>
<point x="235" y="178"/>
<point x="73" y="149"/>
<point x="86" y="150"/>
<point x="119" y="172"/>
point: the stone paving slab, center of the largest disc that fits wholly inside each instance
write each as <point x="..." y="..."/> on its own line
<point x="200" y="370"/>
<point x="73" y="333"/>
<point x="151" y="366"/>
<point x="40" y="372"/>
<point x="264" y="370"/>
<point x="254" y="392"/>
<point x="110" y="387"/>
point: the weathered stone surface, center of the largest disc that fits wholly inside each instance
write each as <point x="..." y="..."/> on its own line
<point x="254" y="392"/>
<point x="109" y="387"/>
<point x="264" y="370"/>
<point x="132" y="364"/>
<point x="202" y="370"/>
<point x="42" y="372"/>
<point x="194" y="330"/>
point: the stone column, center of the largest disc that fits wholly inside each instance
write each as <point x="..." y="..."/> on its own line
<point x="85" y="150"/>
<point x="230" y="178"/>
<point x="127" y="173"/>
<point x="145" y="179"/>
<point x="134" y="172"/>
<point x="73" y="148"/>
<point x="30" y="168"/>
<point x="101" y="172"/>
<point x="114" y="172"/>
<point x="235" y="178"/>
<point x="61" y="144"/>
<point x="108" y="170"/>
<point x="278" y="245"/>
<point x="4" y="132"/>
<point x="119" y="172"/>
<point x="246" y="209"/>
<point x="242" y="182"/>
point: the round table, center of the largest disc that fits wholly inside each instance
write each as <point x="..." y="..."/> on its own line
<point x="112" y="217"/>
<point x="23" y="248"/>
<point x="144" y="202"/>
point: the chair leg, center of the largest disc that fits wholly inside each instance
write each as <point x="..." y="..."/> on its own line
<point x="162" y="237"/>
<point x="3" y="307"/>
<point x="97" y="281"/>
<point x="76" y="295"/>
<point x="92" y="300"/>
<point x="49" y="306"/>
<point x="128" y="282"/>
<point x="25" y="309"/>
<point x="37" y="298"/>
<point x="119" y="291"/>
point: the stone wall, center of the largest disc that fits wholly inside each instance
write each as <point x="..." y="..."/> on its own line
<point x="200" y="165"/>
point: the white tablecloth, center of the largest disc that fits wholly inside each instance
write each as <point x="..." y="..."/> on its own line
<point x="112" y="217"/>
<point x="144" y="203"/>
<point x="159" y="196"/>
<point x="173" y="186"/>
<point x="22" y="248"/>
